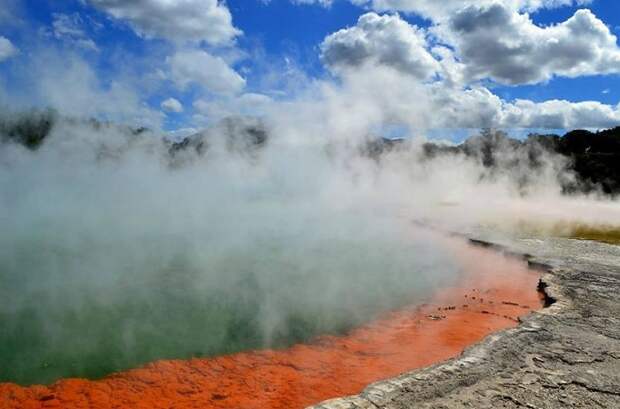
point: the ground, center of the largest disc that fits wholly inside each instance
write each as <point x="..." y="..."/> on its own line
<point x="566" y="355"/>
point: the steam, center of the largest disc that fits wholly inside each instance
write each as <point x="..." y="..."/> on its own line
<point x="114" y="254"/>
<point x="115" y="251"/>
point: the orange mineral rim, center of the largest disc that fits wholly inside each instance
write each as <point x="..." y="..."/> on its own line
<point x="492" y="294"/>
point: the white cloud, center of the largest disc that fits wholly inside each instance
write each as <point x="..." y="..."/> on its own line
<point x="439" y="10"/>
<point x="250" y="104"/>
<point x="380" y="95"/>
<point x="178" y="20"/>
<point x="324" y="3"/>
<point x="560" y="114"/>
<point x="494" y="42"/>
<point x="498" y="43"/>
<point x="479" y="108"/>
<point x="172" y="105"/>
<point x="67" y="25"/>
<point x="486" y="39"/>
<point x="7" y="49"/>
<point x="464" y="108"/>
<point x="210" y="72"/>
<point x="386" y="40"/>
<point x="70" y="28"/>
<point x="385" y="67"/>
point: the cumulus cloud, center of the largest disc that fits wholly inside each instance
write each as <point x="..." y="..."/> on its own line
<point x="205" y="70"/>
<point x="560" y="114"/>
<point x="439" y="10"/>
<point x="387" y="40"/>
<point x="476" y="40"/>
<point x="172" y="105"/>
<point x="492" y="42"/>
<point x="495" y="42"/>
<point x="7" y="49"/>
<point x="186" y="20"/>
<point x="479" y="108"/>
<point x="475" y="107"/>
<point x="375" y="95"/>
<point x="389" y="71"/>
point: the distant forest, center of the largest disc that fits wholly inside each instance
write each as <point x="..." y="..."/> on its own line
<point x="594" y="157"/>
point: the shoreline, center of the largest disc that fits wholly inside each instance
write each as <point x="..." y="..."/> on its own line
<point x="565" y="355"/>
<point x="456" y="318"/>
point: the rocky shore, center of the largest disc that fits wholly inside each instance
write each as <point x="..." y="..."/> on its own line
<point x="566" y="355"/>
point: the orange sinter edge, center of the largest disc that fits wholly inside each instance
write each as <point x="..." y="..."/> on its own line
<point x="493" y="292"/>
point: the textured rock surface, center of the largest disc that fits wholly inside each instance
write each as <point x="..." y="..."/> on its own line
<point x="567" y="355"/>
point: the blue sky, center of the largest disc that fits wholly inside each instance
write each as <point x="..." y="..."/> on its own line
<point x="284" y="48"/>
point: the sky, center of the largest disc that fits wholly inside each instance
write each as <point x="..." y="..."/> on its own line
<point x="436" y="67"/>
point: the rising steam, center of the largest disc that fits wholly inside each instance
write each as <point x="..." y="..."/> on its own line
<point x="118" y="248"/>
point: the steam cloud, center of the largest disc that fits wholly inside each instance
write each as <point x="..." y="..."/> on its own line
<point x="115" y="251"/>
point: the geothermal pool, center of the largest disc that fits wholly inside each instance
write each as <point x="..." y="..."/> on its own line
<point x="277" y="277"/>
<point x="489" y="293"/>
<point x="69" y="310"/>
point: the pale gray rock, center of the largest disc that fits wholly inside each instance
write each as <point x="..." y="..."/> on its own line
<point x="564" y="356"/>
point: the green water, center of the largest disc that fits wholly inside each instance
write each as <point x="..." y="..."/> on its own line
<point x="110" y="262"/>
<point x="89" y="309"/>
